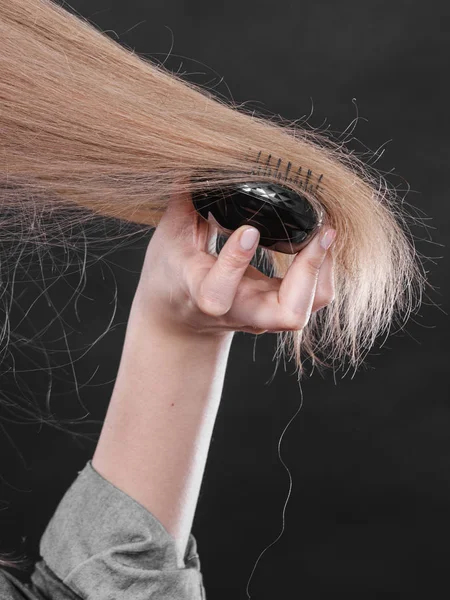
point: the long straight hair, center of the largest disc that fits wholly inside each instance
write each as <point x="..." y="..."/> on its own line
<point x="87" y="126"/>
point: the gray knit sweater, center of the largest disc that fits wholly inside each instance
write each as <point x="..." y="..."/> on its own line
<point x="102" y="545"/>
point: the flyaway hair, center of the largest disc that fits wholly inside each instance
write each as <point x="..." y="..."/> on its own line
<point x="89" y="127"/>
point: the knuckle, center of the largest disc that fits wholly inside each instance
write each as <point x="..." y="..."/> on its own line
<point x="294" y="321"/>
<point x="232" y="260"/>
<point x="211" y="305"/>
<point x="325" y="298"/>
<point x="319" y="305"/>
<point x="254" y="329"/>
<point x="313" y="266"/>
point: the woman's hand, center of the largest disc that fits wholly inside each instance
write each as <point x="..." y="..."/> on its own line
<point x="185" y="289"/>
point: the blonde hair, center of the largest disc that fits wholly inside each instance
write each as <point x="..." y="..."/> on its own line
<point x="85" y="122"/>
<point x="89" y="127"/>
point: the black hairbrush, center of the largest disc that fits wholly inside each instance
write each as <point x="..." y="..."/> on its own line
<point x="285" y="219"/>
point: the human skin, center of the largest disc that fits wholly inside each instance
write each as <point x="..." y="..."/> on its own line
<point x="188" y="304"/>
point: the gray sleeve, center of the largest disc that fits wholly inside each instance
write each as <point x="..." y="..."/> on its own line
<point x="102" y="544"/>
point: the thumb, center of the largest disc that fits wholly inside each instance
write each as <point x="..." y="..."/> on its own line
<point x="216" y="292"/>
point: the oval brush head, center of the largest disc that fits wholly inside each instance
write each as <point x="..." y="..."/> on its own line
<point x="285" y="219"/>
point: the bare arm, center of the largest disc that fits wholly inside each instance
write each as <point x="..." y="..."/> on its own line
<point x="156" y="435"/>
<point x="158" y="428"/>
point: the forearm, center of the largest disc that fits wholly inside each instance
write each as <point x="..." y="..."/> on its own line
<point x="156" y="435"/>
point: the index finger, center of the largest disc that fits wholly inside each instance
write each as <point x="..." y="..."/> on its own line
<point x="298" y="288"/>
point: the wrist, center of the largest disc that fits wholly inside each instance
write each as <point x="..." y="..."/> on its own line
<point x="144" y="317"/>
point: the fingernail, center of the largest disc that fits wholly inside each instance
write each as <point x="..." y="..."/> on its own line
<point x="248" y="238"/>
<point x="328" y="238"/>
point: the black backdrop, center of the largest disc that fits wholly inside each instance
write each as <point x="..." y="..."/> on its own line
<point x="369" y="515"/>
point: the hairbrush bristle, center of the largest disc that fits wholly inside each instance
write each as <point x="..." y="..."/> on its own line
<point x="308" y="182"/>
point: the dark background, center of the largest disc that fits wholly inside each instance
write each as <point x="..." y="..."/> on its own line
<point x="369" y="515"/>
